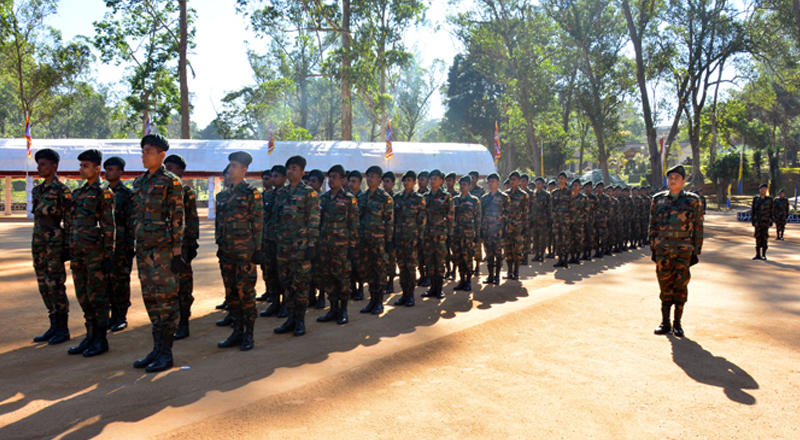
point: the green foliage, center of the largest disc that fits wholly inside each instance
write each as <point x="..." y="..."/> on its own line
<point x="726" y="168"/>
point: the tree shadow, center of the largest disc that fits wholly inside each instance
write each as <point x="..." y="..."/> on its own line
<point x="704" y="367"/>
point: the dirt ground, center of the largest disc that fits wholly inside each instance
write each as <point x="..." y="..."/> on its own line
<point x="560" y="354"/>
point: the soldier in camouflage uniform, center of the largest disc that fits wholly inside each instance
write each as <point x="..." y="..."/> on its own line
<point x="270" y="247"/>
<point x="579" y="218"/>
<point x="410" y="218"/>
<point x="337" y="242"/>
<point x="551" y="243"/>
<point x="222" y="196"/>
<point x="354" y="180"/>
<point x="540" y="220"/>
<point x="176" y="165"/>
<point x="626" y="220"/>
<point x="524" y="182"/>
<point x="601" y="221"/>
<point x="449" y="261"/>
<point x="424" y="274"/>
<point x="296" y="221"/>
<point x="477" y="191"/>
<point x="676" y="239"/>
<point x="516" y="225"/>
<point x="388" y="179"/>
<point x="50" y="244"/>
<point x="466" y="232"/>
<point x="439" y="227"/>
<point x="561" y="200"/>
<point x="316" y="179"/>
<point x="118" y="284"/>
<point x="157" y="200"/>
<point x="590" y="240"/>
<point x="91" y="246"/>
<point x="495" y="211"/>
<point x="761" y="218"/>
<point x="266" y="188"/>
<point x="780" y="208"/>
<point x="376" y="235"/>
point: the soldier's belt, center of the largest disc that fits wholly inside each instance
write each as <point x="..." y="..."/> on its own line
<point x="48" y="222"/>
<point x="335" y="225"/>
<point x="84" y="222"/>
<point x="152" y="216"/>
<point x="674" y="234"/>
<point x="240" y="225"/>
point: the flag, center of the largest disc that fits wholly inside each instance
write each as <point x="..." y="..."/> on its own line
<point x="28" y="136"/>
<point x="730" y="184"/>
<point x="741" y="167"/>
<point x="271" y="137"/>
<point x="389" y="152"/>
<point x="147" y="128"/>
<point x="496" y="144"/>
<point x="663" y="162"/>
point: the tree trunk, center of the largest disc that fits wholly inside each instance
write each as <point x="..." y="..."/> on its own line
<point x="303" y="86"/>
<point x="602" y="157"/>
<point x="347" y="103"/>
<point x="186" y="131"/>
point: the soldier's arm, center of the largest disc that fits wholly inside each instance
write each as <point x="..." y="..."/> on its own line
<point x="176" y="215"/>
<point x="352" y="222"/>
<point x="192" y="231"/>
<point x="422" y="219"/>
<point x="478" y="218"/>
<point x="66" y="207"/>
<point x="107" y="222"/>
<point x="388" y="218"/>
<point x="451" y="215"/>
<point x="698" y="228"/>
<point x="256" y="219"/>
<point x="130" y="218"/>
<point x="653" y="232"/>
<point x="312" y="217"/>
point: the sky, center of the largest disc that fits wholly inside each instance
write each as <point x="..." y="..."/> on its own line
<point x="220" y="57"/>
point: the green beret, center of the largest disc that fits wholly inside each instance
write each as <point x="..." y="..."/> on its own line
<point x="763" y="185"/>
<point x="540" y="178"/>
<point x="474" y="173"/>
<point x="374" y="169"/>
<point x="424" y="173"/>
<point x="356" y="174"/>
<point x="450" y="176"/>
<point x="600" y="184"/>
<point x="507" y="182"/>
<point x="552" y="182"/>
<point x="265" y="173"/>
<point x="225" y="170"/>
<point x="177" y="160"/>
<point x="494" y="176"/>
<point x="465" y="178"/>
<point x="437" y="172"/>
<point x="115" y="161"/>
<point x="410" y="174"/>
<point x="296" y="160"/>
<point x="156" y="140"/>
<point x="588" y="182"/>
<point x="677" y="169"/>
<point x="92" y="155"/>
<point x="337" y="169"/>
<point x="525" y="176"/>
<point x="574" y="181"/>
<point x="562" y="174"/>
<point x="49" y="154"/>
<point x="280" y="169"/>
<point x="781" y="191"/>
<point x="318" y="174"/>
<point x="242" y="157"/>
<point x="625" y="188"/>
<point x="514" y="173"/>
<point x="389" y="175"/>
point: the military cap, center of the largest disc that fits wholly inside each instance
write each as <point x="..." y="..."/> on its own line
<point x="318" y="174"/>
<point x="525" y="176"/>
<point x="389" y="175"/>
<point x="474" y="173"/>
<point x="574" y="181"/>
<point x="437" y="172"/>
<point x="177" y="160"/>
<point x="588" y="182"/>
<point x="337" y="169"/>
<point x="599" y="184"/>
<point x="465" y="178"/>
<point x="296" y="160"/>
<point x="49" y="154"/>
<point x="625" y="188"/>
<point x="305" y="177"/>
<point x="507" y="182"/>
<point x="155" y="140"/>
<point x="677" y="169"/>
<point x="91" y="155"/>
<point x="539" y="178"/>
<point x="424" y="173"/>
<point x="374" y="169"/>
<point x="355" y="173"/>
<point x="265" y="173"/>
<point x="494" y="176"/>
<point x="450" y="175"/>
<point x="225" y="170"/>
<point x="763" y="185"/>
<point x="699" y="190"/>
<point x="410" y="174"/>
<point x="242" y="157"/>
<point x="781" y="191"/>
<point x="562" y="174"/>
<point x="280" y="169"/>
<point x="114" y="161"/>
<point x="552" y="182"/>
<point x="514" y="173"/>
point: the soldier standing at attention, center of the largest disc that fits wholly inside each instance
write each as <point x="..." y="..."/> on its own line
<point x="477" y="191"/>
<point x="580" y="213"/>
<point x="551" y="243"/>
<point x="590" y="239"/>
<point x="540" y="215"/>
<point x="410" y="218"/>
<point x="375" y="234"/>
<point x="118" y="285"/>
<point x="601" y="221"/>
<point x="388" y="180"/>
<point x="516" y="223"/>
<point x="524" y="181"/>
<point x="626" y="220"/>
<point x="676" y="239"/>
<point x="91" y="246"/>
<point x="354" y="179"/>
<point x="220" y="201"/>
<point x="316" y="179"/>
<point x="337" y="243"/>
<point x="439" y="208"/>
<point x="158" y="229"/>
<point x="277" y="306"/>
<point x="495" y="211"/>
<point x="466" y="232"/>
<point x="296" y="223"/>
<point x="450" y="188"/>
<point x="781" y="210"/>
<point x="424" y="274"/>
<point x="176" y="165"/>
<point x="50" y="244"/>
<point x="561" y="200"/>
<point x="266" y="188"/>
<point x="761" y="219"/>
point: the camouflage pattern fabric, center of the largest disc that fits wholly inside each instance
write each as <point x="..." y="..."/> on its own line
<point x="295" y="217"/>
<point x="540" y="225"/>
<point x="270" y="267"/>
<point x="468" y="214"/>
<point x="518" y="204"/>
<point x="338" y="233"/>
<point x="51" y="206"/>
<point x="190" y="236"/>
<point x="119" y="283"/>
<point x="495" y="209"/>
<point x="601" y="222"/>
<point x="439" y="208"/>
<point x="761" y="218"/>
<point x="478" y="192"/>
<point x="613" y="221"/>
<point x="590" y="239"/>
<point x="561" y="201"/>
<point x="376" y="227"/>
<point x="410" y="219"/>
<point x="626" y="218"/>
<point x="780" y="208"/>
<point x="580" y="218"/>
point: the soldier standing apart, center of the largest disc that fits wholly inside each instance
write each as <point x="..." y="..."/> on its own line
<point x="157" y="201"/>
<point x="477" y="191"/>
<point x="337" y="243"/>
<point x="761" y="219"/>
<point x="91" y="246"/>
<point x="277" y="306"/>
<point x="439" y="207"/>
<point x="354" y="180"/>
<point x="601" y="221"/>
<point x="561" y="200"/>
<point x="296" y="223"/>
<point x="781" y="210"/>
<point x="118" y="285"/>
<point x="466" y="232"/>
<point x="676" y="239"/>
<point x="50" y="244"/>
<point x="450" y="188"/>
<point x="495" y="211"/>
<point x="516" y="223"/>
<point x="176" y="165"/>
<point x="375" y="234"/>
<point x="316" y="179"/>
<point x="540" y="215"/>
<point x="424" y="274"/>
<point x="580" y="210"/>
<point x="410" y="218"/>
<point x="590" y="240"/>
<point x="388" y="180"/>
<point x="266" y="188"/>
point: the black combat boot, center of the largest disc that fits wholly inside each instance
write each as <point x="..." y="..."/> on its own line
<point x="332" y="314"/>
<point x="510" y="273"/>
<point x="49" y="332"/>
<point x="497" y="269"/>
<point x="247" y="340"/>
<point x="122" y="320"/>
<point x="283" y="312"/>
<point x="87" y="341"/>
<point x="287" y="326"/>
<point x="410" y="302"/>
<point x="226" y="321"/>
<point x="599" y="253"/>
<point x="461" y="274"/>
<point x="164" y="359"/>
<point x="516" y="271"/>
<point x="378" y="309"/>
<point x="468" y="283"/>
<point x="62" y="329"/>
<point x="157" y="344"/>
<point x="236" y="337"/>
<point x="320" y="300"/>
<point x="100" y="343"/>
<point x="438" y="282"/>
<point x="758" y="253"/>
<point x="764" y="253"/>
<point x="389" y="287"/>
<point x="264" y="297"/>
<point x="358" y="292"/>
<point x="677" y="330"/>
<point x="490" y="278"/>
<point x="664" y="328"/>
<point x="223" y="306"/>
<point x="342" y="319"/>
<point x="403" y="298"/>
<point x="372" y="299"/>
<point x="112" y="321"/>
<point x="272" y="309"/>
<point x="477" y="271"/>
<point x="300" y="320"/>
<point x="312" y="295"/>
<point x="183" y="324"/>
<point x="525" y="259"/>
<point x="560" y="263"/>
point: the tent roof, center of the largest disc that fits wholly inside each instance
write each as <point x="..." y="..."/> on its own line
<point x="596" y="176"/>
<point x="206" y="157"/>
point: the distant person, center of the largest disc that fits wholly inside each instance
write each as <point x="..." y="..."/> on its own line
<point x="703" y="200"/>
<point x="494" y="206"/>
<point x="316" y="179"/>
<point x="466" y="232"/>
<point x="761" y="218"/>
<point x="375" y="234"/>
<point x="410" y="218"/>
<point x="781" y="211"/>
<point x="439" y="227"/>
<point x="389" y="180"/>
<point x="477" y="191"/>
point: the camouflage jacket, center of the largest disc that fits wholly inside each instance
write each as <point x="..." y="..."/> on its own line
<point x="268" y="197"/>
<point x="295" y="217"/>
<point x="468" y="214"/>
<point x="580" y="210"/>
<point x="780" y="208"/>
<point x="123" y="240"/>
<point x="240" y="222"/>
<point x="192" y="232"/>
<point x="92" y="220"/>
<point x="376" y="213"/>
<point x="762" y="212"/>
<point x="613" y="218"/>
<point x="592" y="212"/>
<point x="477" y="191"/>
<point x="495" y="210"/>
<point x="601" y="213"/>
<point x="50" y="206"/>
<point x="518" y="203"/>
<point x="339" y="218"/>
<point x="410" y="216"/>
<point x="625" y="211"/>
<point x="676" y="222"/>
<point x="561" y="201"/>
<point x="540" y="211"/>
<point x="157" y="204"/>
<point x="219" y="202"/>
<point x="439" y="207"/>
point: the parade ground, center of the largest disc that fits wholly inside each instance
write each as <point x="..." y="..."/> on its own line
<point x="560" y="354"/>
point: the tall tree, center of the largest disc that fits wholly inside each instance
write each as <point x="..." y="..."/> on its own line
<point x="414" y="88"/>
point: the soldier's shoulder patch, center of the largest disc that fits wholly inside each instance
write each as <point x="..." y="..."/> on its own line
<point x="257" y="195"/>
<point x="67" y="194"/>
<point x="107" y="194"/>
<point x="176" y="181"/>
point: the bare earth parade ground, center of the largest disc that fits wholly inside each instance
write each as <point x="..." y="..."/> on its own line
<point x="560" y="354"/>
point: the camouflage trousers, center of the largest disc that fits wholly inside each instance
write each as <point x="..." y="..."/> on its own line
<point x="335" y="268"/>
<point x="372" y="263"/>
<point x="463" y="249"/>
<point x="672" y="271"/>
<point x="421" y="263"/>
<point x="391" y="265"/>
<point x="186" y="287"/>
<point x="406" y="251"/>
<point x="435" y="253"/>
<point x="600" y="237"/>
<point x="588" y="238"/>
<point x="119" y="283"/>
<point x="561" y="237"/>
<point x="159" y="287"/>
<point x="295" y="275"/>
<point x="515" y="243"/>
<point x="762" y="236"/>
<point x="270" y="269"/>
<point x="540" y="237"/>
<point x="494" y="249"/>
<point x="577" y="236"/>
<point x="478" y="256"/>
<point x="51" y="277"/>
<point x="780" y="227"/>
<point x="239" y="279"/>
<point x="90" y="286"/>
<point x="528" y="245"/>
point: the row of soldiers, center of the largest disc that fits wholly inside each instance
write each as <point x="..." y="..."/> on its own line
<point x="765" y="211"/>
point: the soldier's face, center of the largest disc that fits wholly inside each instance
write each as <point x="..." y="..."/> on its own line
<point x="278" y="179"/>
<point x="408" y="183"/>
<point x="587" y="190"/>
<point x="762" y="191"/>
<point x="113" y="173"/>
<point x="46" y="167"/>
<point x="237" y="172"/>
<point x="388" y="184"/>
<point x="436" y="182"/>
<point x="524" y="183"/>
<point x="600" y="190"/>
<point x="335" y="180"/>
<point x="562" y="181"/>
<point x="355" y="184"/>
<point x="514" y="182"/>
<point x="551" y="187"/>
<point x="464" y="186"/>
<point x="152" y="157"/>
<point x="294" y="173"/>
<point x="576" y="188"/>
<point x="315" y="183"/>
<point x="266" y="181"/>
<point x="423" y="182"/>
<point x="780" y="194"/>
<point x="89" y="170"/>
<point x="675" y="182"/>
<point x="451" y="182"/>
<point x="539" y="185"/>
<point x="494" y="184"/>
<point x="373" y="180"/>
<point x="174" y="169"/>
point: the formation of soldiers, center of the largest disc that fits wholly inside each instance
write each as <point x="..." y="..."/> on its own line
<point x="306" y="242"/>
<point x="764" y="211"/>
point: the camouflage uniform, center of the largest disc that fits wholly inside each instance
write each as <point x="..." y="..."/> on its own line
<point x="761" y="219"/>
<point x="516" y="223"/>
<point x="540" y="224"/>
<point x="601" y="225"/>
<point x="119" y="282"/>
<point x="376" y="227"/>
<point x="410" y="218"/>
<point x="424" y="270"/>
<point x="51" y="205"/>
<point x="91" y="239"/>
<point x="478" y="192"/>
<point x="780" y="207"/>
<point x="467" y="231"/>
<point x="450" y="260"/>
<point x="495" y="211"/>
<point x="613" y="223"/>
<point x="590" y="233"/>
<point x="191" y="234"/>
<point x="578" y="226"/>
<point x="270" y="248"/>
<point x="295" y="217"/>
<point x="561" y="201"/>
<point x="439" y="208"/>
<point x="338" y="234"/>
<point x="626" y="219"/>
